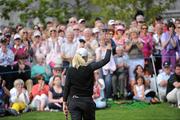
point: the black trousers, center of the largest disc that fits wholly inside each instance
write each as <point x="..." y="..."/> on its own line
<point x="82" y="108"/>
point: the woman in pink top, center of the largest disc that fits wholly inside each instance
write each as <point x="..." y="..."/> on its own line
<point x="147" y="41"/>
<point x="119" y="37"/>
<point x="39" y="93"/>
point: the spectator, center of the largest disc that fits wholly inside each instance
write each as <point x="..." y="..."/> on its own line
<point x="18" y="48"/>
<point x="157" y="46"/>
<point x="162" y="80"/>
<point x="108" y="69"/>
<point x="40" y="68"/>
<point x="139" y="91"/>
<point x="169" y="43"/>
<point x="119" y="78"/>
<point x="40" y="94"/>
<point x="98" y="91"/>
<point x="23" y="71"/>
<point x="173" y="92"/>
<point x="119" y="37"/>
<point x="90" y="45"/>
<point x="4" y="95"/>
<point x="55" y="94"/>
<point x="6" y="60"/>
<point x="39" y="45"/>
<point x="19" y="97"/>
<point x="134" y="47"/>
<point x="68" y="49"/>
<point x="53" y="47"/>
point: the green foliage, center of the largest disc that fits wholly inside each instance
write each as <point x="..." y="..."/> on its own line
<point x="87" y="9"/>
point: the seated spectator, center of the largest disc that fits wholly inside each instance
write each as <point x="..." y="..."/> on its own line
<point x="139" y="91"/>
<point x="55" y="71"/>
<point x="55" y="94"/>
<point x="4" y="94"/>
<point x="98" y="92"/>
<point x="23" y="71"/>
<point x="19" y="97"/>
<point x="40" y="94"/>
<point x="119" y="78"/>
<point x="173" y="91"/>
<point x="162" y="80"/>
<point x="41" y="68"/>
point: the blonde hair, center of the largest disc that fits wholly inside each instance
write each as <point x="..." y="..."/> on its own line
<point x="18" y="81"/>
<point x="78" y="61"/>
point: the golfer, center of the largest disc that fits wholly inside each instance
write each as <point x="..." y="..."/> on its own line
<point x="79" y="84"/>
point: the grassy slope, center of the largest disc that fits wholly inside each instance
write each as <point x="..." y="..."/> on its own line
<point x="116" y="112"/>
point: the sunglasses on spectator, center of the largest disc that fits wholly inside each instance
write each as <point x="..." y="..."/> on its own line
<point x="59" y="31"/>
<point x="144" y="28"/>
<point x="37" y="36"/>
<point x="178" y="27"/>
<point x="53" y="31"/>
<point x="72" y="21"/>
<point x="76" y="29"/>
<point x="25" y="32"/>
<point x="140" y="21"/>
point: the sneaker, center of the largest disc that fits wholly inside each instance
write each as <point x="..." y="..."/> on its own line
<point x="46" y="108"/>
<point x="13" y="112"/>
<point x="26" y="110"/>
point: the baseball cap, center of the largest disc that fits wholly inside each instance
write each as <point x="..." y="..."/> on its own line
<point x="82" y="51"/>
<point x="166" y="64"/>
<point x="17" y="36"/>
<point x="81" y="20"/>
<point x="111" y="22"/>
<point x="37" y="33"/>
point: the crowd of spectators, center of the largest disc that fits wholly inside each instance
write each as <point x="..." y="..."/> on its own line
<point x="34" y="61"/>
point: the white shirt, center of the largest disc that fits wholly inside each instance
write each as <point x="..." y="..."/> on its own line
<point x="160" y="77"/>
<point x="23" y="97"/>
<point x="69" y="49"/>
<point x="6" y="58"/>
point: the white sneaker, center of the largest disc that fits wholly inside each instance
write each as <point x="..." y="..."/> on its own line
<point x="46" y="109"/>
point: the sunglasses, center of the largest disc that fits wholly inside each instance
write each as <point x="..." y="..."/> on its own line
<point x="53" y="31"/>
<point x="72" y="21"/>
<point x="144" y="28"/>
<point x="76" y="29"/>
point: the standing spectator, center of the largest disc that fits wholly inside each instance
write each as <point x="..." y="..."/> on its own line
<point x="18" y="48"/>
<point x="119" y="37"/>
<point x="108" y="69"/>
<point x="119" y="78"/>
<point x="55" y="94"/>
<point x="40" y="94"/>
<point x="53" y="47"/>
<point x="147" y="43"/>
<point x="178" y="41"/>
<point x="19" y="97"/>
<point x="90" y="45"/>
<point x="68" y="49"/>
<point x="134" y="47"/>
<point x="162" y="80"/>
<point x="169" y="43"/>
<point x="157" y="46"/>
<point x="173" y="91"/>
<point x="39" y="45"/>
<point x="6" y="60"/>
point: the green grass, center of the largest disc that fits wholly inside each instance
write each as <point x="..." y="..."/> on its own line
<point x="115" y="112"/>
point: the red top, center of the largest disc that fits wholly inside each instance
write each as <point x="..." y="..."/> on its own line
<point x="35" y="90"/>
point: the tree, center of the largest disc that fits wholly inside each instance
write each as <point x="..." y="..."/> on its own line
<point x="126" y="9"/>
<point x="87" y="9"/>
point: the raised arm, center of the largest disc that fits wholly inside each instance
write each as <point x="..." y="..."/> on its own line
<point x="99" y="64"/>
